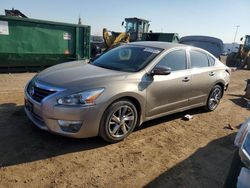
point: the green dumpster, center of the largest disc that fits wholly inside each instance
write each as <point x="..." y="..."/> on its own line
<point x="28" y="42"/>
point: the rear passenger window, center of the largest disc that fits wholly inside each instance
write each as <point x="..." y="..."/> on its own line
<point x="211" y="60"/>
<point x="198" y="59"/>
<point x="176" y="60"/>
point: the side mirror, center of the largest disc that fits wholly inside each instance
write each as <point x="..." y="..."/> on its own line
<point x="241" y="39"/>
<point x="161" y="70"/>
<point x="122" y="23"/>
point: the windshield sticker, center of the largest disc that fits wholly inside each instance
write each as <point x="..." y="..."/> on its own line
<point x="151" y="50"/>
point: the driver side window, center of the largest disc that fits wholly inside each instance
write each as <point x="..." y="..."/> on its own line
<point x="176" y="60"/>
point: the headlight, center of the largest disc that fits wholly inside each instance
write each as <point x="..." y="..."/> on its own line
<point x="244" y="151"/>
<point x="31" y="83"/>
<point x="84" y="98"/>
<point x="244" y="129"/>
<point x="246" y="144"/>
<point x="242" y="140"/>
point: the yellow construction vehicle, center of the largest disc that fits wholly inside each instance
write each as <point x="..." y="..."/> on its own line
<point x="242" y="57"/>
<point x="112" y="38"/>
<point x="134" y="28"/>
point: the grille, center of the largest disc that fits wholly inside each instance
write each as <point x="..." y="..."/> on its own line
<point x="38" y="118"/>
<point x="39" y="94"/>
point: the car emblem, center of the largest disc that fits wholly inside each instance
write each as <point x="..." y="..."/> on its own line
<point x="32" y="91"/>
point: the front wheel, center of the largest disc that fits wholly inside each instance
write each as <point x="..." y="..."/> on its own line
<point x="214" y="98"/>
<point x="118" y="121"/>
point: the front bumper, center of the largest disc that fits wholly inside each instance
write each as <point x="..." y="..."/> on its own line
<point x="45" y="115"/>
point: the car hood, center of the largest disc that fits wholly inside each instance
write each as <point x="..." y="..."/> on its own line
<point x="78" y="73"/>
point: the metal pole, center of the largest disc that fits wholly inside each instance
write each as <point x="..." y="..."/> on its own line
<point x="237" y="27"/>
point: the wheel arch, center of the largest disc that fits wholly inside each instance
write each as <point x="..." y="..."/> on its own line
<point x="136" y="100"/>
<point x="222" y="85"/>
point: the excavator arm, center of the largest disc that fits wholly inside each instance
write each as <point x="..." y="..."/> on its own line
<point x="112" y="39"/>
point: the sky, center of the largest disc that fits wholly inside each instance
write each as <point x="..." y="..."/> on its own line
<point x="217" y="18"/>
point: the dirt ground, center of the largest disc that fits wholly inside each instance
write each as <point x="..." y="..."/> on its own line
<point x="166" y="152"/>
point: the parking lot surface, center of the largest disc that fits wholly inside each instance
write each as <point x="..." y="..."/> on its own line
<point x="166" y="152"/>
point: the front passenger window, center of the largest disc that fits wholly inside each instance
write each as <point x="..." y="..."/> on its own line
<point x="176" y="60"/>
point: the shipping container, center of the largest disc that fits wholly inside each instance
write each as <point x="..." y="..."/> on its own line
<point x="28" y="42"/>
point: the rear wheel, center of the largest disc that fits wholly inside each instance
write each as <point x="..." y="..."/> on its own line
<point x="214" y="98"/>
<point x="118" y="121"/>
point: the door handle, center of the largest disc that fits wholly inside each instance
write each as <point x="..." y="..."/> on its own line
<point x="186" y="79"/>
<point x="212" y="73"/>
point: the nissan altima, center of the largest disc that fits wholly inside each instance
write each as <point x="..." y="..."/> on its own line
<point x="124" y="87"/>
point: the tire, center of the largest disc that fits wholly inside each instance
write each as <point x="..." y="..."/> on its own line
<point x="118" y="121"/>
<point x="214" y="98"/>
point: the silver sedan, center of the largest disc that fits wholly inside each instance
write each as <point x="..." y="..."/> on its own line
<point x="124" y="87"/>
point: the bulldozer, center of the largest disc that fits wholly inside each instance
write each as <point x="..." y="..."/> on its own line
<point x="242" y="57"/>
<point x="134" y="29"/>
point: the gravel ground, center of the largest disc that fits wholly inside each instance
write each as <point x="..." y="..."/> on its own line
<point x="166" y="152"/>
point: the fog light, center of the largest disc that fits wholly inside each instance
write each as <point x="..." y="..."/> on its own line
<point x="70" y="126"/>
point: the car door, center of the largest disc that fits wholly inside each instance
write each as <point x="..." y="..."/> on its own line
<point x="167" y="93"/>
<point x="203" y="76"/>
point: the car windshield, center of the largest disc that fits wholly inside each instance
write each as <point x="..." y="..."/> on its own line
<point x="127" y="58"/>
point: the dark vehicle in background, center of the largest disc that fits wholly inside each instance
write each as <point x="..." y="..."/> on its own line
<point x="97" y="45"/>
<point x="239" y="174"/>
<point x="211" y="44"/>
<point x="163" y="37"/>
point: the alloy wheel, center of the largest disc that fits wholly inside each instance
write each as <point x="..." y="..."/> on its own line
<point x="121" y="121"/>
<point x="214" y="98"/>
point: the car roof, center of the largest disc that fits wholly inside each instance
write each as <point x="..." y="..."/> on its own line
<point x="157" y="44"/>
<point x="167" y="45"/>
